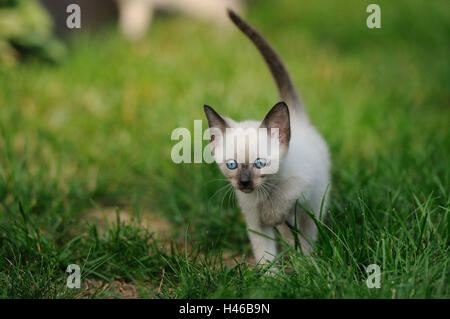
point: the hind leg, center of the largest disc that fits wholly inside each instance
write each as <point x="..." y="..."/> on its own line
<point x="307" y="225"/>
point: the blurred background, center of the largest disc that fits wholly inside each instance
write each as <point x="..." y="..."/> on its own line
<point x="86" y="114"/>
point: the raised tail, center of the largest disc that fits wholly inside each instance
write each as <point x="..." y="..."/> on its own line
<point x="284" y="83"/>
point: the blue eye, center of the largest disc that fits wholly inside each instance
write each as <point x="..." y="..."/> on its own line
<point x="260" y="163"/>
<point x="232" y="164"/>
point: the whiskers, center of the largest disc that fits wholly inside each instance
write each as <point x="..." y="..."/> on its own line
<point x="231" y="193"/>
<point x="227" y="190"/>
<point x="263" y="192"/>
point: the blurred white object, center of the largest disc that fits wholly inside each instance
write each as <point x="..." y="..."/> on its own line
<point x="135" y="15"/>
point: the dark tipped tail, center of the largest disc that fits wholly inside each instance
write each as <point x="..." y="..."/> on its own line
<point x="284" y="83"/>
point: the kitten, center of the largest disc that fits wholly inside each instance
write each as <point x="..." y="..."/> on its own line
<point x="303" y="175"/>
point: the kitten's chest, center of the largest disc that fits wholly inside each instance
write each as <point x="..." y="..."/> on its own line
<point x="254" y="200"/>
<point x="248" y="201"/>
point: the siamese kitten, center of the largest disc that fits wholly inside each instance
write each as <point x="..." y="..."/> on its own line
<point x="303" y="174"/>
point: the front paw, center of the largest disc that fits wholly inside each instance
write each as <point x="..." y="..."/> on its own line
<point x="270" y="216"/>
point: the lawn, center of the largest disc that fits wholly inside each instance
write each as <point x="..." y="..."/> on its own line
<point x="86" y="175"/>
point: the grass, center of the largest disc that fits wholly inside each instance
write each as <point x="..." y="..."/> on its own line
<point x="94" y="132"/>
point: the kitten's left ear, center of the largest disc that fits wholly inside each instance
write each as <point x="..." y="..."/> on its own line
<point x="278" y="117"/>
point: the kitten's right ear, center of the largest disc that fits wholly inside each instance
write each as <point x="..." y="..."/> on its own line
<point x="215" y="121"/>
<point x="278" y="117"/>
